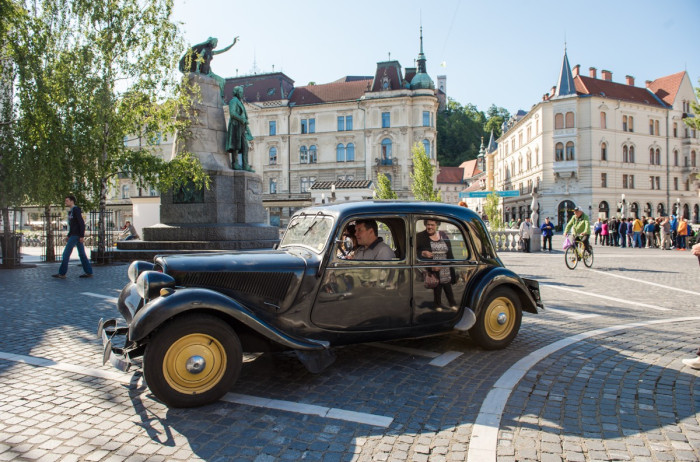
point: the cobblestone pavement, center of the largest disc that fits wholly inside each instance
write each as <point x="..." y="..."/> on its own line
<point x="591" y="390"/>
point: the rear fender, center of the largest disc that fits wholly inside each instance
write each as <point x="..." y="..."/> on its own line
<point x="500" y="277"/>
<point x="159" y="310"/>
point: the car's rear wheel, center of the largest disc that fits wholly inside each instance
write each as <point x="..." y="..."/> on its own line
<point x="192" y="360"/>
<point x="499" y="321"/>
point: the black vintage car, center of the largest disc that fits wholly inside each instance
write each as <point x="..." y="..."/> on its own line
<point x="192" y="316"/>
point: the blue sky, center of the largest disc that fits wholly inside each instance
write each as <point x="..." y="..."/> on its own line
<point x="506" y="53"/>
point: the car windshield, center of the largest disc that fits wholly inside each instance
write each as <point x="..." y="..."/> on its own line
<point x="309" y="231"/>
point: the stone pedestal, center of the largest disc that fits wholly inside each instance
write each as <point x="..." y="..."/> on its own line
<point x="227" y="216"/>
<point x="536" y="240"/>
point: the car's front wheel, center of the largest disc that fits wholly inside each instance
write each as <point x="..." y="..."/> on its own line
<point x="192" y="360"/>
<point x="499" y="321"/>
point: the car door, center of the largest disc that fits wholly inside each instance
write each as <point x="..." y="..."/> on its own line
<point x="367" y="295"/>
<point x="443" y="264"/>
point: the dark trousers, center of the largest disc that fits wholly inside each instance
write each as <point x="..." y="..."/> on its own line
<point x="437" y="294"/>
<point x="526" y="245"/>
<point x="546" y="239"/>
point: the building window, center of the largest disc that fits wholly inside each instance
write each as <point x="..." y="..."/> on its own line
<point x="651" y="182"/>
<point x="675" y="183"/>
<point x="386" y="151"/>
<point x="340" y="153"/>
<point x="350" y="152"/>
<point x="675" y="158"/>
<point x="344" y="123"/>
<point x="529" y="160"/>
<point x="628" y="181"/>
<point x="304" y="184"/>
<point x="303" y="155"/>
<point x="658" y="182"/>
<point x="624" y="123"/>
<point x="651" y="127"/>
<point x="628" y="154"/>
<point x="426" y="119"/>
<point x="273" y="127"/>
<point x="273" y="155"/>
<point x="558" y="121"/>
<point x="570" y="153"/>
<point x="570" y="120"/>
<point x="386" y="120"/>
<point x="308" y="126"/>
<point x="559" y="152"/>
<point x="604" y="151"/>
<point x="125" y="191"/>
<point x="630" y="126"/>
<point x="603" y="180"/>
<point x="273" y="185"/>
<point x="426" y="146"/>
<point x="657" y="156"/>
<point x="312" y="154"/>
<point x="693" y="159"/>
<point x="656" y="128"/>
<point x="603" y="120"/>
<point x="675" y="129"/>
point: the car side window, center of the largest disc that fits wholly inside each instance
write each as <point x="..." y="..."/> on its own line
<point x="388" y="242"/>
<point x="439" y="239"/>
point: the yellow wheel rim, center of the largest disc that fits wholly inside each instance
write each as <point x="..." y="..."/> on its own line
<point x="499" y="318"/>
<point x="194" y="364"/>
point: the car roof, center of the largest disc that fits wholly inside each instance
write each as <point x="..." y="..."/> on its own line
<point x="393" y="206"/>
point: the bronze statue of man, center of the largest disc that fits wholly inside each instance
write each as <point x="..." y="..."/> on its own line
<point x="198" y="59"/>
<point x="238" y="134"/>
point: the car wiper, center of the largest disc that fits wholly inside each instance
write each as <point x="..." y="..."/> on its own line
<point x="296" y="222"/>
<point x="313" y="224"/>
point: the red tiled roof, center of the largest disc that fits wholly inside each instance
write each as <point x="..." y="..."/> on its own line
<point x="667" y="87"/>
<point x="261" y="87"/>
<point x="470" y="168"/>
<point x="450" y="175"/>
<point x="475" y="186"/>
<point x="390" y="70"/>
<point x="329" y="92"/>
<point x="598" y="87"/>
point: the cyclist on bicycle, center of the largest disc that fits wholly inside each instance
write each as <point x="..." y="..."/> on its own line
<point x="580" y="226"/>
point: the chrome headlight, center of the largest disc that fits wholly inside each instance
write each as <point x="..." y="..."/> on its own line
<point x="149" y="283"/>
<point x="137" y="267"/>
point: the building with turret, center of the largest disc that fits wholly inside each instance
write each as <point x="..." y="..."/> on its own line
<point x="611" y="148"/>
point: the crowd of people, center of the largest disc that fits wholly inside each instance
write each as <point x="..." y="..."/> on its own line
<point x="666" y="233"/>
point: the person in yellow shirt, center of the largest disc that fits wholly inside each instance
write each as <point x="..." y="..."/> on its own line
<point x="681" y="233"/>
<point x="637" y="227"/>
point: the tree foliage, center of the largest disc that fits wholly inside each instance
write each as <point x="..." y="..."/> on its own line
<point x="461" y="128"/>
<point x="422" y="177"/>
<point x="383" y="189"/>
<point x="491" y="210"/>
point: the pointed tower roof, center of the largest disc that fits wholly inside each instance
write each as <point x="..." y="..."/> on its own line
<point x="492" y="146"/>
<point x="482" y="150"/>
<point x="566" y="86"/>
<point x="421" y="80"/>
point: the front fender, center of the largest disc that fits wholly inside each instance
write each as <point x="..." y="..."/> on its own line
<point x="159" y="310"/>
<point x="490" y="279"/>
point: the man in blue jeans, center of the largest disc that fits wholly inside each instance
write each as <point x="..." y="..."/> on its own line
<point x="76" y="235"/>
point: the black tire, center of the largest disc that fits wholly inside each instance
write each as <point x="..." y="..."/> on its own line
<point x="571" y="258"/>
<point x="588" y="258"/>
<point x="492" y="331"/>
<point x="167" y="361"/>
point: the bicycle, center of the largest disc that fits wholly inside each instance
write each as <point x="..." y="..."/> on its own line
<point x="578" y="252"/>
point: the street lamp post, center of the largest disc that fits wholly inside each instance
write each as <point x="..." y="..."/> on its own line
<point x="332" y="193"/>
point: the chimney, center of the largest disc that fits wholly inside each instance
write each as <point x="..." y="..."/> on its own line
<point x="647" y="83"/>
<point x="607" y="75"/>
<point x="576" y="70"/>
<point x="593" y="72"/>
<point x="554" y="91"/>
<point x="629" y="80"/>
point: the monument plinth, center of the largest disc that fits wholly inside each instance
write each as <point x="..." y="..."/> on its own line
<point x="229" y="215"/>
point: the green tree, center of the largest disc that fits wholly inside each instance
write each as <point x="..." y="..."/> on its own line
<point x="491" y="210"/>
<point x="694" y="122"/>
<point x="495" y="118"/>
<point x="422" y="183"/>
<point x="383" y="189"/>
<point x="459" y="132"/>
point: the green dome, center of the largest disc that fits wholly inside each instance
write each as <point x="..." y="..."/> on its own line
<point x="422" y="81"/>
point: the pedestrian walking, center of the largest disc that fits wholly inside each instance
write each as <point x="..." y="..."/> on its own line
<point x="526" y="234"/>
<point x="649" y="231"/>
<point x="666" y="234"/>
<point x="681" y="232"/>
<point x="547" y="231"/>
<point x="597" y="228"/>
<point x="76" y="236"/>
<point x="605" y="233"/>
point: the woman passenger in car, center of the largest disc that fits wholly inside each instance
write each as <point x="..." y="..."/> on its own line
<point x="435" y="245"/>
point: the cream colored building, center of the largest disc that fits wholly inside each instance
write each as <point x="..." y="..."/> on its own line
<point x="611" y="148"/>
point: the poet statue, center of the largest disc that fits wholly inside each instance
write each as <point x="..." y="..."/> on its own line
<point x="238" y="134"/>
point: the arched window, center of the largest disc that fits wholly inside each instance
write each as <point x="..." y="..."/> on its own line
<point x="303" y="155"/>
<point x="273" y="156"/>
<point x="529" y="160"/>
<point x="675" y="158"/>
<point x="604" y="150"/>
<point x="657" y="156"/>
<point x="340" y="153"/>
<point x="520" y="164"/>
<point x="631" y="154"/>
<point x="675" y="129"/>
<point x="570" y="120"/>
<point x="386" y="151"/>
<point x="350" y="152"/>
<point x="625" y="154"/>
<point x="312" y="154"/>
<point x="570" y="153"/>
<point x="603" y="120"/>
<point x="559" y="152"/>
<point x="558" y="121"/>
<point x="426" y="146"/>
<point x="651" y="156"/>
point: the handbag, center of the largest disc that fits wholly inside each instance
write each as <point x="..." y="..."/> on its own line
<point x="567" y="243"/>
<point x="431" y="280"/>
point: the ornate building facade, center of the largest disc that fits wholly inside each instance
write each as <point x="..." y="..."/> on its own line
<point x="611" y="148"/>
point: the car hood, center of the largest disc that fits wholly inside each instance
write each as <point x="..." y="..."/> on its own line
<point x="256" y="277"/>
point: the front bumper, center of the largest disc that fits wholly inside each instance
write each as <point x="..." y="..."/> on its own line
<point x="534" y="288"/>
<point x="111" y="333"/>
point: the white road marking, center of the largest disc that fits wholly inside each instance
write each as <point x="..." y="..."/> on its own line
<point x="605" y="297"/>
<point x="484" y="438"/>
<point x="608" y="273"/>
<point x="301" y="408"/>
<point x="106" y="297"/>
<point x="571" y="314"/>
<point x="445" y="358"/>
